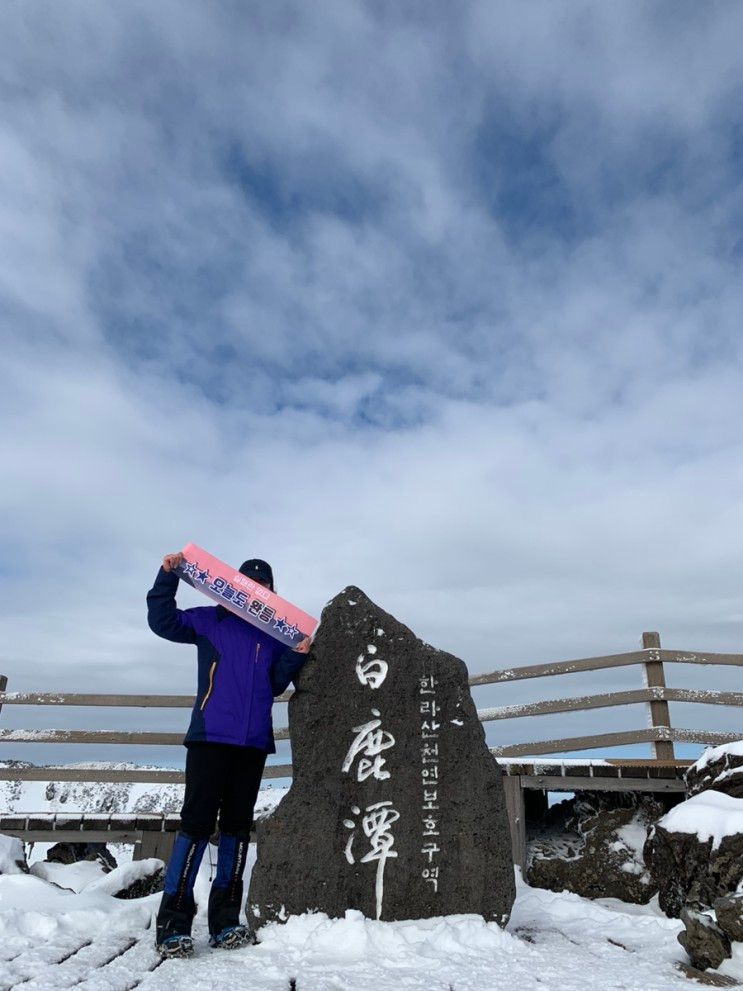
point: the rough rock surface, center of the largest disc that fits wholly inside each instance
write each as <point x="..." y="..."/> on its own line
<point x="729" y="912"/>
<point x="396" y="807"/>
<point x="70" y="853"/>
<point x="592" y="846"/>
<point x="704" y="941"/>
<point x="719" y="768"/>
<point x="147" y="884"/>
<point x="689" y="872"/>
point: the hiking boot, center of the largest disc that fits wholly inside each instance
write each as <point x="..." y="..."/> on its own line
<point x="175" y="946"/>
<point x="232" y="938"/>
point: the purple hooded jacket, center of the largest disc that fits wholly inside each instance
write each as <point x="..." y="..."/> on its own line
<point x="241" y="668"/>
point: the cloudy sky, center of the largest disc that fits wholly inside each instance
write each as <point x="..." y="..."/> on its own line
<point x="441" y="300"/>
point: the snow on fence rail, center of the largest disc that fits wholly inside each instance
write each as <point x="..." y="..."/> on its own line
<point x="656" y="695"/>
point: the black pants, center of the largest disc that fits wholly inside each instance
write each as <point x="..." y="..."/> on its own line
<point x="220" y="779"/>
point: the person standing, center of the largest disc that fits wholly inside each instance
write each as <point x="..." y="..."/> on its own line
<point x="240" y="671"/>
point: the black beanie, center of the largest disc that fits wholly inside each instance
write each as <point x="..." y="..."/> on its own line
<point x="258" y="570"/>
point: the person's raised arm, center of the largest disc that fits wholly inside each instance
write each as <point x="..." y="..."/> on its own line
<point x="286" y="664"/>
<point x="163" y="616"/>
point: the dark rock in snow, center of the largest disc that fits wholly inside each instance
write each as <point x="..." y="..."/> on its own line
<point x="720" y="769"/>
<point x="396" y="807"/>
<point x="695" y="854"/>
<point x="71" y="853"/>
<point x="704" y="941"/>
<point x="150" y="881"/>
<point x="592" y="846"/>
<point x="689" y="872"/>
<point x="729" y="912"/>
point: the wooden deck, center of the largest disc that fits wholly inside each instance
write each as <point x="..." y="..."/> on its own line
<point x="152" y="835"/>
<point x="654" y="777"/>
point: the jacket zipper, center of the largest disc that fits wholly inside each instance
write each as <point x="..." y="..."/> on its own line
<point x="211" y="685"/>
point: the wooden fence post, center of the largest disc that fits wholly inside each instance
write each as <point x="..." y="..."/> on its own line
<point x="515" y="807"/>
<point x="659" y="714"/>
<point x="154" y="844"/>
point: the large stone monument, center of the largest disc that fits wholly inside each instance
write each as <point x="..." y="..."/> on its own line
<point x="396" y="807"/>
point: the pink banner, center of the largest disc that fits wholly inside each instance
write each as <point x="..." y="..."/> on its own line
<point x="244" y="597"/>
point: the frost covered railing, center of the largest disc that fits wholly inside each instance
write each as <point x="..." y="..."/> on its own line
<point x="656" y="695"/>
<point x="141" y="775"/>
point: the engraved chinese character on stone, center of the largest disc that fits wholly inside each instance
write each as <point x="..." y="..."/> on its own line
<point x="376" y="824"/>
<point x="369" y="744"/>
<point x="371" y="671"/>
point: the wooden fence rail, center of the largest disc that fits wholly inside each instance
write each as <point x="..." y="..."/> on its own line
<point x="655" y="695"/>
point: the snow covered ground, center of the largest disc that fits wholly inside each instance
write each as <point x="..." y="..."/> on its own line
<point x="82" y="937"/>
<point x="51" y="938"/>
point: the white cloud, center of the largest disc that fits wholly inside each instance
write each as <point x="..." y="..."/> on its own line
<point x="357" y="361"/>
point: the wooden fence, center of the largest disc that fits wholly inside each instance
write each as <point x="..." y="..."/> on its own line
<point x="656" y="695"/>
<point x="651" y="658"/>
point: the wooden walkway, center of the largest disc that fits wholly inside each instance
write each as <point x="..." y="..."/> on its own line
<point x="120" y="960"/>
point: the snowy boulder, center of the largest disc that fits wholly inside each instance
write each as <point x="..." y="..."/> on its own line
<point x="71" y="877"/>
<point x="71" y="853"/>
<point x="695" y="852"/>
<point x="133" y="880"/>
<point x="136" y="879"/>
<point x="148" y="883"/>
<point x="592" y="846"/>
<point x="396" y="807"/>
<point x="704" y="941"/>
<point x="719" y="769"/>
<point x="12" y="856"/>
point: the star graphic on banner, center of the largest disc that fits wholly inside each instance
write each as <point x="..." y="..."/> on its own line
<point x="202" y="576"/>
<point x="289" y="631"/>
<point x="189" y="569"/>
<point x="279" y="624"/>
